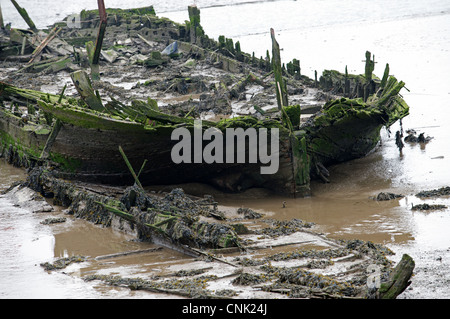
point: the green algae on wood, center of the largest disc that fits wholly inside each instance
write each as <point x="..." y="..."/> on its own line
<point x="282" y="99"/>
<point x="25" y="16"/>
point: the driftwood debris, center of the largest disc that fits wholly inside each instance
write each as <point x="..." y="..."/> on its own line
<point x="128" y="253"/>
<point x="399" y="279"/>
<point x="52" y="34"/>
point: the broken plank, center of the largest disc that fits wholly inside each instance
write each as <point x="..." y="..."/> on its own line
<point x="84" y="87"/>
<point x="128" y="253"/>
<point x="24" y="14"/>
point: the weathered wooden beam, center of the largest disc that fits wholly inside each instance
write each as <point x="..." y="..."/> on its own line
<point x="138" y="183"/>
<point x="52" y="34"/>
<point x="128" y="253"/>
<point x="399" y="279"/>
<point x="25" y="16"/>
<point x="194" y="19"/>
<point x="84" y="87"/>
<point x="2" y="25"/>
<point x="282" y="98"/>
<point x="51" y="139"/>
<point x="385" y="76"/>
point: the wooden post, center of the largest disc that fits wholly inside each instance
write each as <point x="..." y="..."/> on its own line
<point x="370" y="66"/>
<point x="346" y="84"/>
<point x="2" y="25"/>
<point x="194" y="18"/>
<point x="25" y="16"/>
<point x="84" y="87"/>
<point x="282" y="99"/>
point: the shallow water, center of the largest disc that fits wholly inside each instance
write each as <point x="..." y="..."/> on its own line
<point x="412" y="36"/>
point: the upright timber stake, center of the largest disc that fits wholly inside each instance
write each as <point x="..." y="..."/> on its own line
<point x="195" y="29"/>
<point x="25" y="16"/>
<point x="370" y="66"/>
<point x="282" y="99"/>
<point x="1" y="18"/>
<point x="94" y="58"/>
<point x="385" y="76"/>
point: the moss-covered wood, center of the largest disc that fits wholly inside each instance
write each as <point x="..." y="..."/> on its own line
<point x="24" y="14"/>
<point x="399" y="279"/>
<point x="282" y="98"/>
<point x="84" y="87"/>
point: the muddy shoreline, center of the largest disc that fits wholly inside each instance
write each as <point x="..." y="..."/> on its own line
<point x="281" y="259"/>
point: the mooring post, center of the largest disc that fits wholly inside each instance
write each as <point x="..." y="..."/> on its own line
<point x="25" y="16"/>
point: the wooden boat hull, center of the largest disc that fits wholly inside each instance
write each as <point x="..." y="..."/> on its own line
<point x="92" y="154"/>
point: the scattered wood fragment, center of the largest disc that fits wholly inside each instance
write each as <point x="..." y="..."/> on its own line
<point x="52" y="34"/>
<point x="128" y="253"/>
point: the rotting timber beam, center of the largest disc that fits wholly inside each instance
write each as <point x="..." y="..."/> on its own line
<point x="25" y="16"/>
<point x="94" y="55"/>
<point x="195" y="28"/>
<point x="84" y="87"/>
<point x="282" y="98"/>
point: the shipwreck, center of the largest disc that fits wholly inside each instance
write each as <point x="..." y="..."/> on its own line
<point x="85" y="136"/>
<point x="120" y="82"/>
